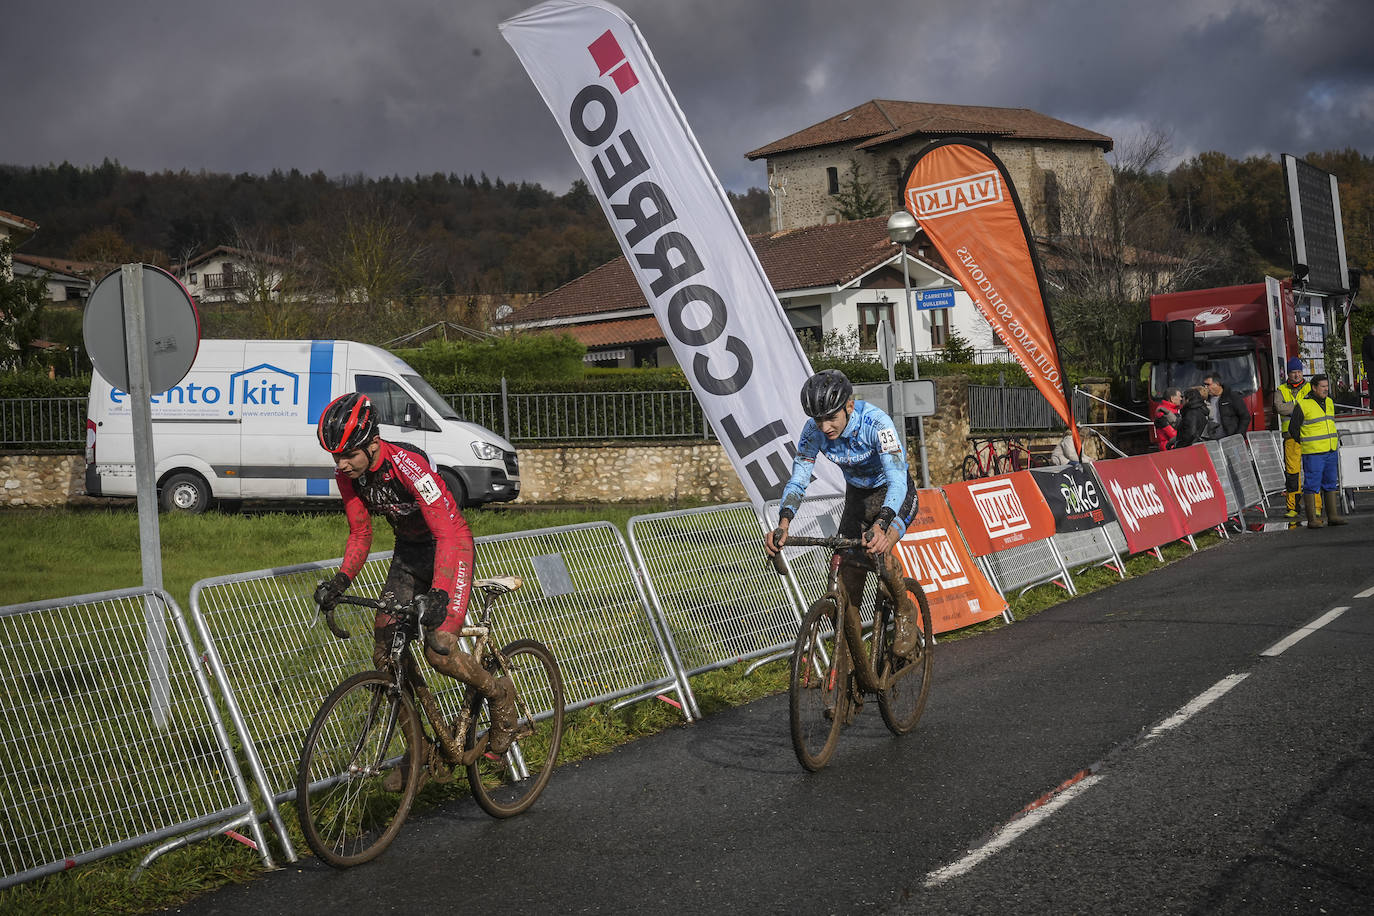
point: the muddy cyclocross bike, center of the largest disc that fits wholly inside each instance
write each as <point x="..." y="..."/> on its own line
<point x="830" y="674"/>
<point x="371" y="724"/>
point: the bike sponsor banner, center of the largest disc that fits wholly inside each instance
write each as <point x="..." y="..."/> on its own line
<point x="1192" y="479"/>
<point x="933" y="553"/>
<point x="964" y="200"/>
<point x="1074" y="496"/>
<point x="1148" y="512"/>
<point x="679" y="233"/>
<point x="1000" y="512"/>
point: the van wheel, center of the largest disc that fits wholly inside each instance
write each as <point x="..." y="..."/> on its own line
<point x="455" y="486"/>
<point x="184" y="493"/>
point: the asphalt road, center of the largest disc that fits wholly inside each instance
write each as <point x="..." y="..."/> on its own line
<point x="1203" y="778"/>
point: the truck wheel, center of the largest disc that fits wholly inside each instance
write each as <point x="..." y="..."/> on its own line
<point x="455" y="486"/>
<point x="184" y="493"/>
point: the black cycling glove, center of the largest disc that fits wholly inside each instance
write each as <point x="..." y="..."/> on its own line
<point x="327" y="594"/>
<point x="431" y="607"/>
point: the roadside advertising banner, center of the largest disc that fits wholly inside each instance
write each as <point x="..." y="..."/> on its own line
<point x="1074" y="496"/>
<point x="933" y="553"/>
<point x="963" y="198"/>
<point x="679" y="233"/>
<point x="1000" y="512"/>
<point x="1148" y="512"/>
<point x="1193" y="482"/>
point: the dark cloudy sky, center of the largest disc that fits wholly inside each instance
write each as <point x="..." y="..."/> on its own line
<point x="417" y="86"/>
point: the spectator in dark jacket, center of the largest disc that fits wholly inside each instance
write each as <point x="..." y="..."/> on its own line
<point x="1233" y="415"/>
<point x="1192" y="418"/>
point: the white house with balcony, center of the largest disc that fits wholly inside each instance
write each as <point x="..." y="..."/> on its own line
<point x="225" y="274"/>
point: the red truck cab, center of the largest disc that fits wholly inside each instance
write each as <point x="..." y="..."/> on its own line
<point x="1232" y="336"/>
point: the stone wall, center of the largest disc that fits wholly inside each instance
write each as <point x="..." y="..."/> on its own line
<point x="697" y="471"/>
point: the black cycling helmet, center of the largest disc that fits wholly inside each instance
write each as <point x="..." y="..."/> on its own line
<point x="825" y="392"/>
<point x="348" y="422"/>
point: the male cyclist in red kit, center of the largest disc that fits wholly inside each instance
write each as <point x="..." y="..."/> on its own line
<point x="431" y="567"/>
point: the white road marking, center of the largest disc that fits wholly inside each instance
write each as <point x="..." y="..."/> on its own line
<point x="1008" y="834"/>
<point x="1303" y="632"/>
<point x="1367" y="593"/>
<point x="1023" y="823"/>
<point x="1196" y="705"/>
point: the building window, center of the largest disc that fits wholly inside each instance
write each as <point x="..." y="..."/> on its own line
<point x="870" y="313"/>
<point x="832" y="180"/>
<point x="806" y="323"/>
<point x="191" y="278"/>
<point x="76" y="292"/>
<point x="939" y="328"/>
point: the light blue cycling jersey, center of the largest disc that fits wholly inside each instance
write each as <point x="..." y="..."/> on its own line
<point x="869" y="452"/>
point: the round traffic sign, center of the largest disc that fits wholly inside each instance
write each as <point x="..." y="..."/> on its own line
<point x="170" y="319"/>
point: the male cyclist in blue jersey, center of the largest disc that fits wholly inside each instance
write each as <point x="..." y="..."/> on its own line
<point x="879" y="495"/>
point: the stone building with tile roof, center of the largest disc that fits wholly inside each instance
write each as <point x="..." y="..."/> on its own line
<point x="1046" y="158"/>
<point x="843" y="277"/>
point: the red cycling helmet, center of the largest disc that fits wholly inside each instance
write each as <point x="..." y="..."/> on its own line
<point x="348" y="422"/>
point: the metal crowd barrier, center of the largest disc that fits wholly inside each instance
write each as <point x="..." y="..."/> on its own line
<point x="1228" y="484"/>
<point x="109" y="737"/>
<point x="1266" y="450"/>
<point x="1025" y="566"/>
<point x="268" y="644"/>
<point x="716" y="595"/>
<point x="1090" y="547"/>
<point x="583" y="599"/>
<point x="1242" y="469"/>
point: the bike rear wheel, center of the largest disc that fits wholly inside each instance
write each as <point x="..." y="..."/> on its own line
<point x="361" y="733"/>
<point x="818" y="694"/>
<point x="508" y="784"/>
<point x="902" y="703"/>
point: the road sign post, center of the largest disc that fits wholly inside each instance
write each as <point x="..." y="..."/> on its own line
<point x="142" y="331"/>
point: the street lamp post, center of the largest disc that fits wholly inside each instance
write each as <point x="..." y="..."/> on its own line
<point x="901" y="229"/>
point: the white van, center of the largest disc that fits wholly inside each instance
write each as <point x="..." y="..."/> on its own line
<point x="241" y="425"/>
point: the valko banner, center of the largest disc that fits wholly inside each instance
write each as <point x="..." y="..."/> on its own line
<point x="933" y="553"/>
<point x="963" y="198"/>
<point x="1000" y="512"/>
<point x="678" y="231"/>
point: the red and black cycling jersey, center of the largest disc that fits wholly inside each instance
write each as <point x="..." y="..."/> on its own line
<point x="406" y="488"/>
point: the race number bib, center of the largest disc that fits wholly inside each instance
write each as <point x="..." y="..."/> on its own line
<point x="429" y="490"/>
<point x="888" y="442"/>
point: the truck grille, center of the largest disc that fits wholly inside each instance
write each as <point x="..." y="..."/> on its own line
<point x="512" y="464"/>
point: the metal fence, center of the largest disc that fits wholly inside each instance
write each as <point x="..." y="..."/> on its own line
<point x="109" y="738"/>
<point x="268" y="646"/>
<point x="712" y="586"/>
<point x="42" y="422"/>
<point x="992" y="407"/>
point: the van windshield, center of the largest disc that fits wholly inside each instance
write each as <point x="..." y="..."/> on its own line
<point x="431" y="397"/>
<point x="1237" y="373"/>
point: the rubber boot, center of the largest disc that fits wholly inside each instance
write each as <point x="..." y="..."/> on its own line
<point x="500" y="695"/>
<point x="1309" y="501"/>
<point x="1332" y="500"/>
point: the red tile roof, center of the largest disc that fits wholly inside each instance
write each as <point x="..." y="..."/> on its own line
<point x="611" y="333"/>
<point x="87" y="269"/>
<point x="882" y="121"/>
<point x="814" y="256"/>
<point x="11" y="218"/>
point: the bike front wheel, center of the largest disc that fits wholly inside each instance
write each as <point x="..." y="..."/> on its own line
<point x="902" y="703"/>
<point x="971" y="469"/>
<point x="818" y="695"/>
<point x="349" y="811"/>
<point x="508" y="784"/>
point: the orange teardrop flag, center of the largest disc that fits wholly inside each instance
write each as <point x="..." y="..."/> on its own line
<point x="961" y="195"/>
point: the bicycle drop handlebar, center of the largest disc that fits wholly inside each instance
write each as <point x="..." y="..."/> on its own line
<point x="393" y="608"/>
<point x="834" y="543"/>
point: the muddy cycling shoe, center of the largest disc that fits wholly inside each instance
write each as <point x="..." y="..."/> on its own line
<point x="501" y="703"/>
<point x="906" y="644"/>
